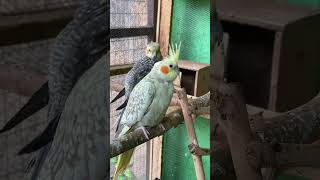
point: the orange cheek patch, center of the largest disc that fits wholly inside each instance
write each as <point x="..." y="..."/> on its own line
<point x="164" y="69"/>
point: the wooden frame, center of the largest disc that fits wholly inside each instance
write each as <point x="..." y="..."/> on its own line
<point x="131" y="32"/>
<point x="120" y="69"/>
<point x="165" y="25"/>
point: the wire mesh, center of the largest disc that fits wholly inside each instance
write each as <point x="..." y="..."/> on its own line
<point x="32" y="55"/>
<point x="128" y="13"/>
<point x="127" y="50"/>
<point x="13" y="167"/>
<point x="191" y="26"/>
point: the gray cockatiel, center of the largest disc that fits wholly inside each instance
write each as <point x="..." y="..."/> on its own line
<point x="77" y="48"/>
<point x="148" y="102"/>
<point x="139" y="70"/>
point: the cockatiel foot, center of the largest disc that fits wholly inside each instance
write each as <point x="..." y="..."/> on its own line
<point x="145" y="132"/>
<point x="162" y="127"/>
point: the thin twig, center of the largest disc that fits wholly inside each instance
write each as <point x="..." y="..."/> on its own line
<point x="191" y="133"/>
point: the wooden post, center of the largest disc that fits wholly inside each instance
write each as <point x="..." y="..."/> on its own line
<point x="156" y="158"/>
<point x="165" y="26"/>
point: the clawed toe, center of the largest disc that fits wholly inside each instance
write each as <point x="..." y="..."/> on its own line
<point x="145" y="132"/>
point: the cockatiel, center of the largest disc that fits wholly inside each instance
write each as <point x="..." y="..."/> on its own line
<point x="139" y="70"/>
<point x="148" y="102"/>
<point x="77" y="48"/>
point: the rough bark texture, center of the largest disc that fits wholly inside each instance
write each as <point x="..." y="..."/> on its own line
<point x="298" y="126"/>
<point x="229" y="109"/>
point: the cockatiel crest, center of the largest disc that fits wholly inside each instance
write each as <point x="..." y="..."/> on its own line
<point x="174" y="52"/>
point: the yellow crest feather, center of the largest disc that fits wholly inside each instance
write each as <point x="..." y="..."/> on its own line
<point x="174" y="52"/>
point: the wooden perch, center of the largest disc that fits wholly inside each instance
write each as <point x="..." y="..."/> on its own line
<point x="230" y="111"/>
<point x="137" y="137"/>
<point x="191" y="133"/>
<point x="284" y="155"/>
<point x="299" y="126"/>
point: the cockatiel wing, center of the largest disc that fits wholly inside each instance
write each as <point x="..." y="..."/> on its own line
<point x="139" y="102"/>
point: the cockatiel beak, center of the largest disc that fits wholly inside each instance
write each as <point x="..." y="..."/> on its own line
<point x="154" y="54"/>
<point x="151" y="54"/>
<point x="177" y="70"/>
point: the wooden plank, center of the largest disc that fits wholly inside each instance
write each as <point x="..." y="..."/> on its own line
<point x="158" y="20"/>
<point x="299" y="66"/>
<point x="165" y="26"/>
<point x="148" y="159"/>
<point x="275" y="71"/>
<point x="262" y="13"/>
<point x="202" y="81"/>
<point x="192" y="65"/>
<point x="35" y="26"/>
<point x="132" y="32"/>
<point x="120" y="69"/>
<point x="156" y="158"/>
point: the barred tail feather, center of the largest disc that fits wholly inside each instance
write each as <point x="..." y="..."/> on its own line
<point x="123" y="162"/>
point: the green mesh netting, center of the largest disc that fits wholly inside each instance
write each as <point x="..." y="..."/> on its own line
<point x="177" y="160"/>
<point x="191" y="26"/>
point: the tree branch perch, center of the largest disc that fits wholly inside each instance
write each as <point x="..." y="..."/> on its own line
<point x="135" y="138"/>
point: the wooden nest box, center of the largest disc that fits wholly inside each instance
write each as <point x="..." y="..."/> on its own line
<point x="273" y="51"/>
<point x="194" y="77"/>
